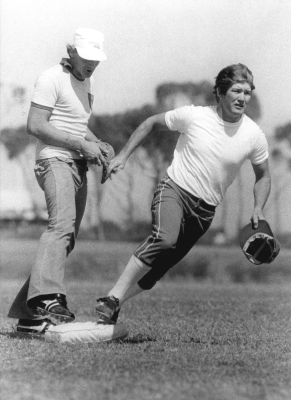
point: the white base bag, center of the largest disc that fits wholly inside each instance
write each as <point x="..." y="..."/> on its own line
<point x="85" y="332"/>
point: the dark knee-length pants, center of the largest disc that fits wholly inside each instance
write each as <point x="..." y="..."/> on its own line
<point x="179" y="219"/>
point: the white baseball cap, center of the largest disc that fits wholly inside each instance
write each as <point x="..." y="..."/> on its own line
<point x="89" y="44"/>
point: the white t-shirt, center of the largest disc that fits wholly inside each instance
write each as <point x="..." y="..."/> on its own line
<point x="210" y="151"/>
<point x="71" y="103"/>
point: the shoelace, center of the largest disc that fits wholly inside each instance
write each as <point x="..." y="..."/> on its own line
<point x="62" y="300"/>
<point x="110" y="301"/>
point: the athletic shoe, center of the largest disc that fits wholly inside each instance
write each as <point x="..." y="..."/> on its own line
<point x="108" y="310"/>
<point x="34" y="326"/>
<point x="105" y="321"/>
<point x="54" y="305"/>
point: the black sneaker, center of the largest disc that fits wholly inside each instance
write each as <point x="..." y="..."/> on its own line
<point x="54" y="305"/>
<point x="108" y="310"/>
<point x="32" y="327"/>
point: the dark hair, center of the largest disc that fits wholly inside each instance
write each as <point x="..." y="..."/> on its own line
<point x="230" y="75"/>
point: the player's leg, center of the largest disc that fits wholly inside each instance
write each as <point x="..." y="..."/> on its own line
<point x="47" y="274"/>
<point x="65" y="187"/>
<point x="56" y="181"/>
<point x="19" y="308"/>
<point x="126" y="287"/>
<point x="167" y="215"/>
<point x="133" y="272"/>
<point x="29" y="318"/>
<point x="196" y="222"/>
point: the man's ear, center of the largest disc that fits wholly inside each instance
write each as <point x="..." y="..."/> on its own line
<point x="72" y="52"/>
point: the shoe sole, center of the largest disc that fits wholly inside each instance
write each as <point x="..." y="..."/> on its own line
<point x="39" y="334"/>
<point x="36" y="335"/>
<point x="106" y="321"/>
<point x="28" y="335"/>
<point x="104" y="313"/>
<point x="61" y="318"/>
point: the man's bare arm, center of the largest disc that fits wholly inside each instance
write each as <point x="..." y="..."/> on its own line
<point x="138" y="136"/>
<point x="262" y="190"/>
<point x="38" y="125"/>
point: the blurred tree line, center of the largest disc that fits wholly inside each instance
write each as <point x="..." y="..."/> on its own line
<point x="117" y="128"/>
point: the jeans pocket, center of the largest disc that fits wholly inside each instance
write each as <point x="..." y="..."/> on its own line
<point x="41" y="167"/>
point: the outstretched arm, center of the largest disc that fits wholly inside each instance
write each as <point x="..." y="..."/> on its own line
<point x="262" y="190"/>
<point x="138" y="136"/>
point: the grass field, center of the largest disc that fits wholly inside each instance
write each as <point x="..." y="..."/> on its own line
<point x="188" y="339"/>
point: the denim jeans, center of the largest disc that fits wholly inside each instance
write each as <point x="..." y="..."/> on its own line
<point x="64" y="183"/>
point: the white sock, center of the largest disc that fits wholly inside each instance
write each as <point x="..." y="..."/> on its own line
<point x="133" y="272"/>
<point x="131" y="292"/>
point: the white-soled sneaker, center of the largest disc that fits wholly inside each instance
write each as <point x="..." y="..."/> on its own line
<point x="108" y="310"/>
<point x="34" y="327"/>
<point x="54" y="305"/>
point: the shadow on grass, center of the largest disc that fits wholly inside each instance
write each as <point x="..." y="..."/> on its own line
<point x="139" y="339"/>
<point x="19" y="335"/>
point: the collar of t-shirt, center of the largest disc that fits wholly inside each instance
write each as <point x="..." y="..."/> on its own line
<point x="65" y="62"/>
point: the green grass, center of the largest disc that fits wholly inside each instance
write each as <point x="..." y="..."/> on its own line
<point x="206" y="338"/>
<point x="187" y="340"/>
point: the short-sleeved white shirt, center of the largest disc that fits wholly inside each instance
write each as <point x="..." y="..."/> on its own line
<point x="71" y="103"/>
<point x="210" y="151"/>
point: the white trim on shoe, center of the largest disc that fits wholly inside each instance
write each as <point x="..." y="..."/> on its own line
<point x="34" y="330"/>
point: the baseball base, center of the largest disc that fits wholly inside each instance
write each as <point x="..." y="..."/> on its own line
<point x="85" y="332"/>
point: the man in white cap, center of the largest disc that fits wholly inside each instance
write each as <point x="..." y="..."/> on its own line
<point x="60" y="109"/>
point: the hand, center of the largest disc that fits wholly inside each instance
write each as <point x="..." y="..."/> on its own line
<point x="92" y="153"/>
<point x="116" y="164"/>
<point x="257" y="215"/>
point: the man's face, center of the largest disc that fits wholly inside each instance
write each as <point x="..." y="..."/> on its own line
<point x="234" y="102"/>
<point x="83" y="68"/>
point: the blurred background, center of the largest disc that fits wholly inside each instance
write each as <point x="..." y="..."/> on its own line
<point x="161" y="55"/>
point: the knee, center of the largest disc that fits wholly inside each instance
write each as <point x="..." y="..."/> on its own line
<point x="149" y="280"/>
<point x="64" y="232"/>
<point x="167" y="242"/>
<point x="64" y="227"/>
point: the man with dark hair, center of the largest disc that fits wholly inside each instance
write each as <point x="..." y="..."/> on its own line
<point x="227" y="76"/>
<point x="214" y="142"/>
<point x="58" y="117"/>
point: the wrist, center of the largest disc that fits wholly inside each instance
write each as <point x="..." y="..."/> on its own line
<point x="82" y="144"/>
<point x="124" y="155"/>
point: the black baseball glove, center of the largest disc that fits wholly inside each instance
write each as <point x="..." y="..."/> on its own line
<point x="108" y="154"/>
<point x="259" y="245"/>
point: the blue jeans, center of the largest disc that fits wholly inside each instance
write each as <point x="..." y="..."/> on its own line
<point x="64" y="183"/>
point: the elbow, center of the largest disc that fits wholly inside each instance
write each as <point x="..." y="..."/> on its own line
<point x="148" y="124"/>
<point x="32" y="129"/>
<point x="29" y="130"/>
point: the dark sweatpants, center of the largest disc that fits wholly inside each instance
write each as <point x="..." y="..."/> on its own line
<point x="179" y="219"/>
